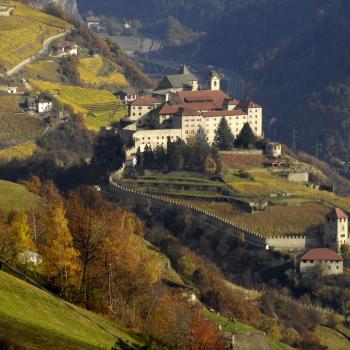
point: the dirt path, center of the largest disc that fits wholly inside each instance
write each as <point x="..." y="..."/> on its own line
<point x="28" y="60"/>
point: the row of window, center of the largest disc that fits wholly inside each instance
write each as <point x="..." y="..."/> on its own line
<point x="218" y="119"/>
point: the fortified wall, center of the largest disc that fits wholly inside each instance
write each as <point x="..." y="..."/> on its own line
<point x="248" y="236"/>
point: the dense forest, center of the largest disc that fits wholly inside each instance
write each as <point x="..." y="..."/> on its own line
<point x="294" y="57"/>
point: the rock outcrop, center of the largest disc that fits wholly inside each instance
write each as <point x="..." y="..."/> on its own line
<point x="69" y="6"/>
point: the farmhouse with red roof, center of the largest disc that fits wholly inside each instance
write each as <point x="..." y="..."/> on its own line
<point x="326" y="260"/>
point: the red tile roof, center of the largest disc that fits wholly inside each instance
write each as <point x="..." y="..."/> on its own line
<point x="214" y="99"/>
<point x="233" y="102"/>
<point x="235" y="112"/>
<point x="253" y="105"/>
<point x="145" y="101"/>
<point x="321" y="254"/>
<point x="169" y="109"/>
<point x="337" y="213"/>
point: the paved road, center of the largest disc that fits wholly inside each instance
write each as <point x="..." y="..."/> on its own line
<point x="44" y="49"/>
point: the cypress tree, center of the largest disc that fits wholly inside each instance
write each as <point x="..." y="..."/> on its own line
<point x="224" y="139"/>
<point x="246" y="137"/>
<point x="138" y="157"/>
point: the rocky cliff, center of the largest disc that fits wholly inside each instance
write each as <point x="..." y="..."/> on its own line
<point x="69" y="6"/>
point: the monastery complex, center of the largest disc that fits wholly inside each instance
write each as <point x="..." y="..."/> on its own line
<point x="179" y="108"/>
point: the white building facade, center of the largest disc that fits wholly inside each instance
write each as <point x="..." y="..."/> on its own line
<point x="190" y="111"/>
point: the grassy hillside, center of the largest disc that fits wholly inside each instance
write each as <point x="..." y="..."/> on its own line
<point x="39" y="321"/>
<point x="99" y="107"/>
<point x="99" y="71"/>
<point x="332" y="339"/>
<point x="23" y="33"/>
<point x="46" y="70"/>
<point x="14" y="196"/>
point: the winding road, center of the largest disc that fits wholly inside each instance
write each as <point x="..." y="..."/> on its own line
<point x="44" y="49"/>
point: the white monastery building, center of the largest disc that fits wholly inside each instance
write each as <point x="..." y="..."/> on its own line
<point x="178" y="108"/>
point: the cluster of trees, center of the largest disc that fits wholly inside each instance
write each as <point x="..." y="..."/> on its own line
<point x="195" y="155"/>
<point x="225" y="141"/>
<point x="180" y="227"/>
<point x="94" y="254"/>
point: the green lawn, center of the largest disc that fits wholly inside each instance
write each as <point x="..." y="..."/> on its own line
<point x="40" y="321"/>
<point x="226" y="324"/>
<point x="238" y="327"/>
<point x="14" y="196"/>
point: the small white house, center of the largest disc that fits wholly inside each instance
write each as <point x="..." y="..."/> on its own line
<point x="44" y="105"/>
<point x="127" y="96"/>
<point x="29" y="257"/>
<point x="93" y="21"/>
<point x="66" y="48"/>
<point x="12" y="90"/>
<point x="274" y="150"/>
<point x="40" y="104"/>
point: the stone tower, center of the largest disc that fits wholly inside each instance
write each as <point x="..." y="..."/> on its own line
<point x="214" y="81"/>
<point x="336" y="231"/>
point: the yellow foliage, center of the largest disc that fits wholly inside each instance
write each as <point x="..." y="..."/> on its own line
<point x="61" y="259"/>
<point x="22" y="232"/>
<point x="22" y="35"/>
<point x="91" y="72"/>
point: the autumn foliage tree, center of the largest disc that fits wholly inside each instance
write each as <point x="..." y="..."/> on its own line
<point x="61" y="259"/>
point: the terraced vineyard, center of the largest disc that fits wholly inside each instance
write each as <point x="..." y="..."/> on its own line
<point x="99" y="107"/>
<point x="20" y="151"/>
<point x="42" y="70"/>
<point x="23" y="33"/>
<point x="18" y="131"/>
<point x="100" y="71"/>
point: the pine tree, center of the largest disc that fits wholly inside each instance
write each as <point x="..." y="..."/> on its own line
<point x="246" y="137"/>
<point x="224" y="139"/>
<point x="159" y="158"/>
<point x="147" y="157"/>
<point x="138" y="157"/>
<point x="175" y="158"/>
